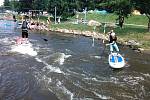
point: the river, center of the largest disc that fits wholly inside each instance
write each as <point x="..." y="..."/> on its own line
<point x="68" y="67"/>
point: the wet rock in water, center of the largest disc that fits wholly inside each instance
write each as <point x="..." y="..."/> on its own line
<point x="134" y="45"/>
<point x="133" y="42"/>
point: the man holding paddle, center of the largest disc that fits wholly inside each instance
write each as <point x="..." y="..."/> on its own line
<point x="112" y="41"/>
<point x="24" y="33"/>
<point x="25" y="29"/>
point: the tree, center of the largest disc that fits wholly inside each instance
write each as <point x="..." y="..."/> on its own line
<point x="144" y="7"/>
<point x="6" y="2"/>
<point x="14" y="5"/>
<point x="64" y="8"/>
<point x="39" y="4"/>
<point x="121" y="7"/>
<point x="25" y="5"/>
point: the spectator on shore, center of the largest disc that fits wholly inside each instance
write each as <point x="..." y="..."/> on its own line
<point x="58" y="20"/>
<point x="121" y="21"/>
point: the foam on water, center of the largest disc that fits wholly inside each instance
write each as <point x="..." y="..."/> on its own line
<point x="24" y="49"/>
<point x="53" y="69"/>
<point x="49" y="67"/>
<point x="102" y="96"/>
<point x="65" y="90"/>
<point x="61" y="58"/>
<point x="6" y="40"/>
<point x="133" y="80"/>
<point x="56" y="58"/>
<point x="147" y="75"/>
<point x="98" y="57"/>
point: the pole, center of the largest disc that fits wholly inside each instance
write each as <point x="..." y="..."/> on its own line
<point x="93" y="35"/>
<point x="85" y="16"/>
<point x="55" y="14"/>
<point x="104" y="27"/>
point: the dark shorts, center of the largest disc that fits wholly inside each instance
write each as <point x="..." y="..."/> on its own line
<point x="24" y="33"/>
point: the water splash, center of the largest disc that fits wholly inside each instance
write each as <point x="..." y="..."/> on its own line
<point x="24" y="49"/>
<point x="103" y="97"/>
<point x="65" y="90"/>
<point x="56" y="58"/>
<point x="48" y="67"/>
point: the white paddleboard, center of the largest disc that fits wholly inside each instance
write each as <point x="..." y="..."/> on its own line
<point x="116" y="60"/>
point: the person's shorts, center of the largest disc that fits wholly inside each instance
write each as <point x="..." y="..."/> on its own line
<point x="24" y="33"/>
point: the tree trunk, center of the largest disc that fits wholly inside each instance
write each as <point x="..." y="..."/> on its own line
<point x="149" y="26"/>
<point x="148" y="16"/>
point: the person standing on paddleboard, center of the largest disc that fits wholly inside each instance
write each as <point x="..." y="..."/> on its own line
<point x="24" y="28"/>
<point x="112" y="41"/>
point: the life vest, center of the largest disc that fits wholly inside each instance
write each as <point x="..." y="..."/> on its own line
<point x="24" y="25"/>
<point x="112" y="38"/>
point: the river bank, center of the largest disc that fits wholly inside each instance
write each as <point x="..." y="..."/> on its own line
<point x="131" y="36"/>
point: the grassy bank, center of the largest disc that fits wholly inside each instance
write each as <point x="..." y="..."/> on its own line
<point x="130" y="31"/>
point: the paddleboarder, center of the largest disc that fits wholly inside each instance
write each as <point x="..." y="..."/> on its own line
<point x="24" y="28"/>
<point x="112" y="41"/>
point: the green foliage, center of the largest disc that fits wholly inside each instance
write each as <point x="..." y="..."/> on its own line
<point x="14" y="5"/>
<point x="120" y="7"/>
<point x="39" y="4"/>
<point x="80" y="27"/>
<point x="63" y="7"/>
<point x="144" y="7"/>
<point x="24" y="5"/>
<point x="6" y="3"/>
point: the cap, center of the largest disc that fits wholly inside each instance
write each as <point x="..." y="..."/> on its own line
<point x="112" y="34"/>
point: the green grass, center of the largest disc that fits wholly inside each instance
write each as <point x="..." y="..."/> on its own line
<point x="137" y="19"/>
<point x="132" y="19"/>
<point x="81" y="27"/>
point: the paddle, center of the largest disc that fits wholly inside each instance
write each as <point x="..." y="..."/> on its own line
<point x="109" y="44"/>
<point x="93" y="36"/>
<point x="45" y="39"/>
<point x="103" y="41"/>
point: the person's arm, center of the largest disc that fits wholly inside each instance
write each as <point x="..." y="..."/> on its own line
<point x="28" y="26"/>
<point x="110" y="43"/>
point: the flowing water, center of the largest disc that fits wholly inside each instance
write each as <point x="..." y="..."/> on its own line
<point x="68" y="67"/>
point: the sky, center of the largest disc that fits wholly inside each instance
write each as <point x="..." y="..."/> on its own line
<point x="1" y="2"/>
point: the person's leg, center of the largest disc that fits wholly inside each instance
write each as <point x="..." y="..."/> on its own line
<point x="111" y="48"/>
<point x="121" y="25"/>
<point x="23" y="34"/>
<point x="26" y="34"/>
<point x="116" y="47"/>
